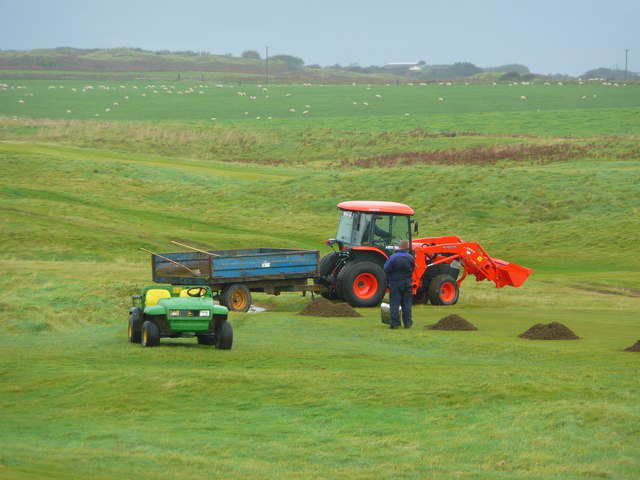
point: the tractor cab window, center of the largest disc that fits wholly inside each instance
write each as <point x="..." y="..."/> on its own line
<point x="387" y="231"/>
<point x="345" y="227"/>
<point x="376" y="230"/>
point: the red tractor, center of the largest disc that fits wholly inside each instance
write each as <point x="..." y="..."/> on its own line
<point x="369" y="232"/>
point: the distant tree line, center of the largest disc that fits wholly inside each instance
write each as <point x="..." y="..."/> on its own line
<point x="250" y="61"/>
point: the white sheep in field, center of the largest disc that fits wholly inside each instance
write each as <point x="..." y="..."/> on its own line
<point x="440" y="99"/>
<point x="292" y="110"/>
<point x="68" y="111"/>
<point x="378" y="96"/>
<point x="522" y="97"/>
<point x="305" y="112"/>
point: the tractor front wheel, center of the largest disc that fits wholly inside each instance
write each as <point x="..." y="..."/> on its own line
<point x="443" y="290"/>
<point x="362" y="284"/>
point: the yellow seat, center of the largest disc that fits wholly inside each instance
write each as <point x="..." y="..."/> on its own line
<point x="156" y="294"/>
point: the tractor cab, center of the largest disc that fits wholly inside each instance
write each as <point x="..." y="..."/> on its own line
<point x="373" y="226"/>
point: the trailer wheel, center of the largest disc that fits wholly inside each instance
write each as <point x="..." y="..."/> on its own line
<point x="362" y="284"/>
<point x="236" y="297"/>
<point x="150" y="334"/>
<point x="325" y="266"/>
<point x="134" y="337"/>
<point x="443" y="290"/>
<point x="224" y="336"/>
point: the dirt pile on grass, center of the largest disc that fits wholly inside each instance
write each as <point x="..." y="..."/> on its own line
<point x="451" y="322"/>
<point x="549" y="331"/>
<point x="633" y="348"/>
<point x="321" y="307"/>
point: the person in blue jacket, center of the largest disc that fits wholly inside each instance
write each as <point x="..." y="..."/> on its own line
<point x="399" y="268"/>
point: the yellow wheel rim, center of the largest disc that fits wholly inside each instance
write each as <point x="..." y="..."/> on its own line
<point x="239" y="299"/>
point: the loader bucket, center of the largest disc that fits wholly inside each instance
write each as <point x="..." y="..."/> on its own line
<point x="510" y="273"/>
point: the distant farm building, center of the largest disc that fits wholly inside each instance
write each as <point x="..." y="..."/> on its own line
<point x="405" y="66"/>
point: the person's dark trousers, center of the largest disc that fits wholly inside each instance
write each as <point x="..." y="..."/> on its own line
<point x="400" y="295"/>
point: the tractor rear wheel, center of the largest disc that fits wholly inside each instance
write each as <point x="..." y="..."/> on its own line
<point x="443" y="290"/>
<point x="325" y="266"/>
<point x="236" y="297"/>
<point x="362" y="284"/>
<point x="150" y="334"/>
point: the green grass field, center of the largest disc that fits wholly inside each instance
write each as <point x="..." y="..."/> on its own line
<point x="549" y="182"/>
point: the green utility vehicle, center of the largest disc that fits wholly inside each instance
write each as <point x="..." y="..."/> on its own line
<point x="174" y="311"/>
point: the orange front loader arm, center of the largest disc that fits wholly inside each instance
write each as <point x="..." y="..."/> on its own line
<point x="475" y="260"/>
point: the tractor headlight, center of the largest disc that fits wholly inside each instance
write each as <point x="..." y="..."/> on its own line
<point x="205" y="313"/>
<point x="174" y="313"/>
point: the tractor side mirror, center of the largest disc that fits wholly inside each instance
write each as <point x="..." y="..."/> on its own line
<point x="415" y="227"/>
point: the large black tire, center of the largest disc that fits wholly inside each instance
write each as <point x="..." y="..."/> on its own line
<point x="133" y="336"/>
<point x="224" y="336"/>
<point x="362" y="284"/>
<point x="443" y="290"/>
<point x="325" y="266"/>
<point x="236" y="297"/>
<point x="150" y="334"/>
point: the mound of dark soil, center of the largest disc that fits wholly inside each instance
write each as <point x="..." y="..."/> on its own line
<point x="451" y="322"/>
<point x="633" y="348"/>
<point x="549" y="331"/>
<point x="321" y="307"/>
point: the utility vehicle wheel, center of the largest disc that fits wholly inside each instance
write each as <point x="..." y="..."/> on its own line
<point x="224" y="336"/>
<point x="443" y="290"/>
<point x="150" y="334"/>
<point x="325" y="266"/>
<point x="362" y="284"/>
<point x="134" y="337"/>
<point x="236" y="297"/>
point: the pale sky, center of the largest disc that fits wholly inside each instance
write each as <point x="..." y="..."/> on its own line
<point x="548" y="36"/>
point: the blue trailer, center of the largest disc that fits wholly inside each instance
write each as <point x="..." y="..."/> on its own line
<point x="234" y="274"/>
